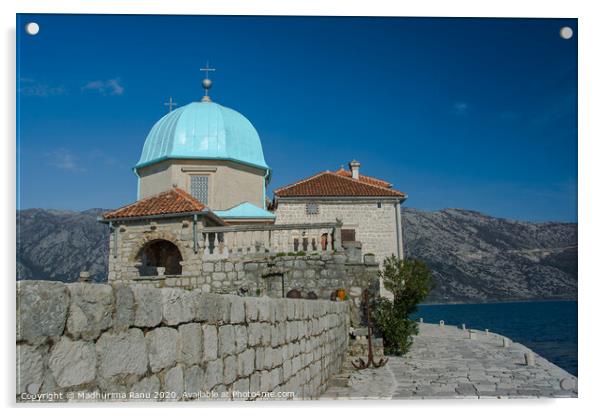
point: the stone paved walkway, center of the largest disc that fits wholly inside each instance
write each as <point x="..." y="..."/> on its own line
<point x="444" y="362"/>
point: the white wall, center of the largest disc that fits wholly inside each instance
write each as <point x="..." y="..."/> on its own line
<point x="375" y="227"/>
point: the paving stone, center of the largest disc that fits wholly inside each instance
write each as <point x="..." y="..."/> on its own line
<point x="444" y="363"/>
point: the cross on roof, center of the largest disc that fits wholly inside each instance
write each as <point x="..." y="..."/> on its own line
<point x="207" y="82"/>
<point x="207" y="69"/>
<point x="171" y="104"/>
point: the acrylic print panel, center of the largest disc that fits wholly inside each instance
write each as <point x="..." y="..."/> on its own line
<point x="167" y="166"/>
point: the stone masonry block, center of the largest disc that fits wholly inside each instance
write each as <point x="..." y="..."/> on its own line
<point x="210" y="342"/>
<point x="227" y="340"/>
<point x="123" y="315"/>
<point x="246" y="363"/>
<point x="178" y="306"/>
<point x="72" y="362"/>
<point x="41" y="310"/>
<point x="174" y="381"/>
<point x="122" y="353"/>
<point x="162" y="346"/>
<point x="237" y="309"/>
<point x="240" y="388"/>
<point x="30" y="367"/>
<point x="147" y="387"/>
<point x="251" y="309"/>
<point x="214" y="374"/>
<point x="191" y="340"/>
<point x="241" y="338"/>
<point x="90" y="310"/>
<point x="255" y="330"/>
<point x="148" y="310"/>
<point x="193" y="378"/>
<point x="230" y="369"/>
<point x="211" y="308"/>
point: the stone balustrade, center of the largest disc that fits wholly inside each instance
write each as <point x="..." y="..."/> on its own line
<point x="240" y="240"/>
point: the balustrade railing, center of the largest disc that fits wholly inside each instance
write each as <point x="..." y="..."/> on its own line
<point x="240" y="240"/>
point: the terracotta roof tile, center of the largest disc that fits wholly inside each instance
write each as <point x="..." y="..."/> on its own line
<point x="333" y="184"/>
<point x="170" y="202"/>
<point x="363" y="178"/>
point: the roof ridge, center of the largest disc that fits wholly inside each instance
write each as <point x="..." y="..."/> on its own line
<point x="368" y="184"/>
<point x="136" y="202"/>
<point x="177" y="196"/>
<point x="301" y="181"/>
<point x="372" y="178"/>
<point x="189" y="197"/>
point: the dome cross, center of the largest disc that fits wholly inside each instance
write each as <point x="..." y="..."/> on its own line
<point x="207" y="82"/>
<point x="171" y="104"/>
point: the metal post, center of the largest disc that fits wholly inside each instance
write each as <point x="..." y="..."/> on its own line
<point x="114" y="230"/>
<point x="194" y="237"/>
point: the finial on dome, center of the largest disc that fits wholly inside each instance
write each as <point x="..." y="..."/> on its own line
<point x="207" y="82"/>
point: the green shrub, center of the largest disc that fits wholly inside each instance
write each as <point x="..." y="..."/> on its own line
<point x="410" y="281"/>
<point x="397" y="331"/>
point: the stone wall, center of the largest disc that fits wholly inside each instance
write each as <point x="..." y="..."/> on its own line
<point x="253" y="274"/>
<point x="97" y="342"/>
<point x="320" y="274"/>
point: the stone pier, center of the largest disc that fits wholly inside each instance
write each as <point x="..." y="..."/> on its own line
<point x="446" y="363"/>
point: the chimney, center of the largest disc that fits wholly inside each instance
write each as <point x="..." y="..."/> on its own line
<point x="354" y="166"/>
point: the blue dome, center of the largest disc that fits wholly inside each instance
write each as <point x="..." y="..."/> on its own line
<point x="203" y="130"/>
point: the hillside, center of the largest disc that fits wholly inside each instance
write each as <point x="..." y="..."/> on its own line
<point x="478" y="258"/>
<point x="474" y="257"/>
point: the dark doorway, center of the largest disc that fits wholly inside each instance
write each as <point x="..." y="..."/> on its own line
<point x="160" y="253"/>
<point x="347" y="235"/>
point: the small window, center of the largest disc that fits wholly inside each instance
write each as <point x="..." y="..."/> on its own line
<point x="199" y="187"/>
<point x="379" y="205"/>
<point x="312" y="209"/>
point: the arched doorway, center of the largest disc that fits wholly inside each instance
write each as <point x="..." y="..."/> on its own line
<point x="159" y="253"/>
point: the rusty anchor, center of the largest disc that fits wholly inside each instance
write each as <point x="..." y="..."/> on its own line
<point x="361" y="364"/>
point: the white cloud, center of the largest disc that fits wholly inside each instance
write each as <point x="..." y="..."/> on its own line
<point x="460" y="108"/>
<point x="99" y="155"/>
<point x="29" y="87"/>
<point x="63" y="159"/>
<point x="107" y="87"/>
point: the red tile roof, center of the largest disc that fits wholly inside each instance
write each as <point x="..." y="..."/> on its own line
<point x="330" y="184"/>
<point x="364" y="178"/>
<point x="170" y="202"/>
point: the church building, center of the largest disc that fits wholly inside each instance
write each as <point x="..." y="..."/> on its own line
<point x="202" y="181"/>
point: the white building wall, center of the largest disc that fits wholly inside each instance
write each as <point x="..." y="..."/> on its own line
<point x="376" y="228"/>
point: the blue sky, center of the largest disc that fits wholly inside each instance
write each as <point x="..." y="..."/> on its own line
<point x="458" y="113"/>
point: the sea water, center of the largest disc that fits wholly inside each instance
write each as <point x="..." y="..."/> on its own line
<point x="548" y="327"/>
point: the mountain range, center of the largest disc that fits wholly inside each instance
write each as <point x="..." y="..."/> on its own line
<point x="474" y="257"/>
